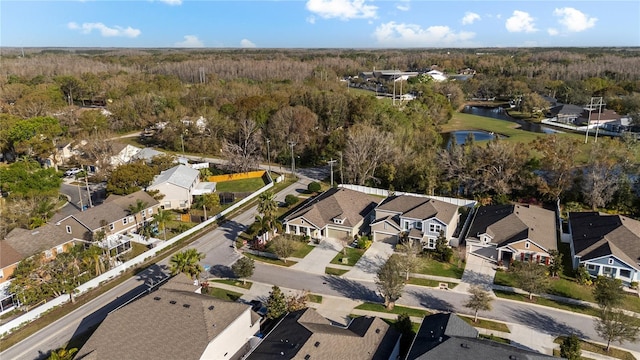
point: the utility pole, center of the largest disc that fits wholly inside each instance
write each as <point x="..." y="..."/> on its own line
<point x="86" y="182"/>
<point x="269" y="155"/>
<point x="331" y="162"/>
<point x="293" y="160"/>
<point x="600" y="104"/>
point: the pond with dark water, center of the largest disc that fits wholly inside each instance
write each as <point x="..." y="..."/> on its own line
<point x="462" y="135"/>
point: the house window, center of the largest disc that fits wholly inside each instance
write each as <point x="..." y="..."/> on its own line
<point x="625" y="273"/>
<point x="144" y="213"/>
<point x="48" y="254"/>
<point x="385" y="226"/>
<point x="526" y="245"/>
<point x="302" y="222"/>
<point x="111" y="227"/>
<point x="610" y="261"/>
<point x="419" y="225"/>
<point x="592" y="267"/>
<point x="405" y="225"/>
<point x="68" y="229"/>
<point x="59" y="249"/>
<point x="150" y="211"/>
<point x="608" y="271"/>
<point x="124" y="221"/>
<point x="435" y="228"/>
<point x="167" y="204"/>
<point x="131" y="219"/>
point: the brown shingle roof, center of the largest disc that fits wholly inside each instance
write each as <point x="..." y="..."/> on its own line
<point x="417" y="207"/>
<point x="510" y="223"/>
<point x="114" y="208"/>
<point x="305" y="334"/>
<point x="31" y="242"/>
<point x="350" y="205"/>
<point x="596" y="235"/>
<point x="8" y="255"/>
<point x="166" y="324"/>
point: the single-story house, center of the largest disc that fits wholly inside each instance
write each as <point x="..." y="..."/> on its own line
<point x="305" y="334"/>
<point x="565" y="113"/>
<point x="446" y="336"/>
<point x="418" y="218"/>
<point x="337" y="213"/>
<point x="147" y="154"/>
<point x="171" y="323"/>
<point x="179" y="185"/>
<point x="504" y="233"/>
<point x="606" y="245"/>
<point x="122" y="153"/>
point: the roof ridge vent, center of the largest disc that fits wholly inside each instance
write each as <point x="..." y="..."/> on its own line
<point x="172" y="302"/>
<point x="186" y="306"/>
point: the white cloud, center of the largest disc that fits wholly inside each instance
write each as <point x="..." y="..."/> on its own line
<point x="172" y="2"/>
<point x="520" y="21"/>
<point x="552" y="31"/>
<point x="104" y="30"/>
<point x="393" y="34"/>
<point x="574" y="20"/>
<point x="342" y="9"/>
<point x="469" y="18"/>
<point x="190" y="41"/>
<point x="403" y="5"/>
<point x="246" y="43"/>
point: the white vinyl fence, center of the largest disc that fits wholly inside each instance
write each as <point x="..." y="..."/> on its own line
<point x="95" y="282"/>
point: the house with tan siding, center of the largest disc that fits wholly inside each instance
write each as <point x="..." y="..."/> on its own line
<point x="418" y="218"/>
<point x="337" y="213"/>
<point x="505" y="233"/>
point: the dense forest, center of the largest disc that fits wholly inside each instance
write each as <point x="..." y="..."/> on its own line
<point x="231" y="103"/>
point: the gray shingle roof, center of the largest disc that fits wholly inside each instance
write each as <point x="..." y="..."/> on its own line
<point x="596" y="235"/>
<point x="31" y="242"/>
<point x="114" y="208"/>
<point x="511" y="223"/>
<point x="448" y="337"/>
<point x="417" y="207"/>
<point x="166" y="324"/>
<point x="181" y="175"/>
<point x="306" y="333"/>
<point x="341" y="203"/>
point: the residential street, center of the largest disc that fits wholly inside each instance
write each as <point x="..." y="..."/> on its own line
<point x="220" y="254"/>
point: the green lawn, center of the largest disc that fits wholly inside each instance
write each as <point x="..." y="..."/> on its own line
<point x="599" y="349"/>
<point x="315" y="298"/>
<point x="396" y="310"/>
<point x="223" y="294"/>
<point x="494" y="338"/>
<point x="136" y="249"/>
<point x="567" y="287"/>
<point x="486" y="324"/>
<point x="352" y="254"/>
<point x="270" y="260"/>
<point x="428" y="266"/>
<point x="234" y="282"/>
<point x="302" y="250"/>
<point x="244" y="185"/>
<point x="429" y="282"/>
<point x="334" y="271"/>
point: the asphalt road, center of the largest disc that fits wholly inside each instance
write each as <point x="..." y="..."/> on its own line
<point x="219" y="254"/>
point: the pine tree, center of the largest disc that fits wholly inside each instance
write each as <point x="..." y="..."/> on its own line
<point x="276" y="303"/>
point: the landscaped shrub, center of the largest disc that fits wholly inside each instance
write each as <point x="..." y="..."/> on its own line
<point x="314" y="187"/>
<point x="291" y="200"/>
<point x="364" y="242"/>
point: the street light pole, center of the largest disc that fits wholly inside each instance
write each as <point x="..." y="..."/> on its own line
<point x="269" y="156"/>
<point x="331" y="162"/>
<point x="293" y="160"/>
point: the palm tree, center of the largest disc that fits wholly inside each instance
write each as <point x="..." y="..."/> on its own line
<point x="268" y="207"/>
<point x="162" y="217"/>
<point x="92" y="258"/>
<point x="187" y="262"/>
<point x="62" y="354"/>
<point x="135" y="209"/>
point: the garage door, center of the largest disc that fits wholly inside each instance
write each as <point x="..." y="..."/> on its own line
<point x="386" y="238"/>
<point x="337" y="234"/>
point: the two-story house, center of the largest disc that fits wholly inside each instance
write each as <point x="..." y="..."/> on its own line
<point x="418" y="218"/>
<point x="513" y="232"/>
<point x="606" y="245"/>
<point x="179" y="185"/>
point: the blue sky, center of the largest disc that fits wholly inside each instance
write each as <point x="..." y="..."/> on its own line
<point x="318" y="23"/>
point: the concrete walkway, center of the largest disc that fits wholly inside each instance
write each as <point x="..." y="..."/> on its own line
<point x="367" y="267"/>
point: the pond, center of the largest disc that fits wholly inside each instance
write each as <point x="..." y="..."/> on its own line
<point x="462" y="135"/>
<point x="501" y="114"/>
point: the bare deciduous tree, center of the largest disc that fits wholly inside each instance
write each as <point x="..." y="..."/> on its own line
<point x="366" y="148"/>
<point x="243" y="156"/>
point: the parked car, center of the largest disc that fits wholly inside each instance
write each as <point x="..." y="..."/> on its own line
<point x="72" y="171"/>
<point x="258" y="307"/>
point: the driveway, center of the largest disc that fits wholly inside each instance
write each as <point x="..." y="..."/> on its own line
<point x="478" y="271"/>
<point x="316" y="261"/>
<point x="367" y="267"/>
